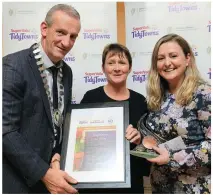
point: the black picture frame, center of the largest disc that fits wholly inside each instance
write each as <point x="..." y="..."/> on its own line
<point x="126" y="183"/>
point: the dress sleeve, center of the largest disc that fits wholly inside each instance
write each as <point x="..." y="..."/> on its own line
<point x="197" y="155"/>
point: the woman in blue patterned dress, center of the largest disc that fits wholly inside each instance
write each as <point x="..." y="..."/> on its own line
<point x="180" y="105"/>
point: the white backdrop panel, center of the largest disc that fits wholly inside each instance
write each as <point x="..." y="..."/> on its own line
<point x="147" y="22"/>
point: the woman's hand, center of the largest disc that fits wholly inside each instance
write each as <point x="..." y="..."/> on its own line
<point x="133" y="135"/>
<point x="163" y="157"/>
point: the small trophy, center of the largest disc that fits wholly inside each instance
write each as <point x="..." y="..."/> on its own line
<point x="144" y="150"/>
<point x="150" y="139"/>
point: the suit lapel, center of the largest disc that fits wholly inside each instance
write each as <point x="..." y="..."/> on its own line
<point x="67" y="87"/>
<point x="39" y="81"/>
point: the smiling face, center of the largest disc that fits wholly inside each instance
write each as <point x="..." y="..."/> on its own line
<point x="59" y="38"/>
<point x="116" y="68"/>
<point x="172" y="63"/>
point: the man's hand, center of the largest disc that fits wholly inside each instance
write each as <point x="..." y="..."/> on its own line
<point x="163" y="158"/>
<point x="57" y="182"/>
<point x="133" y="135"/>
<point x="55" y="162"/>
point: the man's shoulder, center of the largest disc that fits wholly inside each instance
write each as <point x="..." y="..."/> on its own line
<point x="17" y="54"/>
<point x="66" y="66"/>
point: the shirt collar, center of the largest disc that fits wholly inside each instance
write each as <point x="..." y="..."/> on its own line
<point x="47" y="62"/>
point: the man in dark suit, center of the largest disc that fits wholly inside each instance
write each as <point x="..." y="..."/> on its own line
<point x="37" y="87"/>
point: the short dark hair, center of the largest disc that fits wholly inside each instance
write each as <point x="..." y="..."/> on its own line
<point x="116" y="49"/>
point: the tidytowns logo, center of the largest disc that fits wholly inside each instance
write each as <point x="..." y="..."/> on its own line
<point x="139" y="76"/>
<point x="209" y="26"/>
<point x="96" y="34"/>
<point x="144" y="31"/>
<point x="23" y="34"/>
<point x="73" y="100"/>
<point x="179" y="7"/>
<point x="209" y="73"/>
<point x="69" y="58"/>
<point x="194" y="49"/>
<point x="94" y="77"/>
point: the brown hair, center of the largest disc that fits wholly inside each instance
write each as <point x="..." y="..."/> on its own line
<point x="116" y="49"/>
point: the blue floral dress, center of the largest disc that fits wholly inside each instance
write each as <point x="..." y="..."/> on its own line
<point x="188" y="170"/>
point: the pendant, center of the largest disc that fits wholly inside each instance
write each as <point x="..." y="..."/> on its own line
<point x="57" y="117"/>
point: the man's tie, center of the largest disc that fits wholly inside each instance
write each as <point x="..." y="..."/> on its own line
<point x="55" y="88"/>
<point x="55" y="105"/>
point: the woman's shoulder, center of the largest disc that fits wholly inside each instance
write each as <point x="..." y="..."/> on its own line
<point x="95" y="90"/>
<point x="204" y="88"/>
<point x="136" y="95"/>
<point x="132" y="92"/>
<point x="92" y="95"/>
<point x="202" y="95"/>
<point x="137" y="104"/>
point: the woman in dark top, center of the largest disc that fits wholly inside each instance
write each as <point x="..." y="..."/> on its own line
<point x="117" y="64"/>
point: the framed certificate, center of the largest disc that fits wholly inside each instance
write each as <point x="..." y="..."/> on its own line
<point x="94" y="150"/>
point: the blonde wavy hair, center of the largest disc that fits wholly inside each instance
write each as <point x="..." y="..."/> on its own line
<point x="157" y="85"/>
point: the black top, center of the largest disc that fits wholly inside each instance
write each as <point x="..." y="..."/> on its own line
<point x="139" y="166"/>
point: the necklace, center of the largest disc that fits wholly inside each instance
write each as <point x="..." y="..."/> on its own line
<point x="57" y="115"/>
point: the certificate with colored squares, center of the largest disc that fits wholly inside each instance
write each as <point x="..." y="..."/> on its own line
<point x="95" y="148"/>
<point x="95" y="151"/>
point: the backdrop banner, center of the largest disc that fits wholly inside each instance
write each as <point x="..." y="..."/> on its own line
<point x="149" y="21"/>
<point x="21" y="28"/>
<point x="146" y="22"/>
